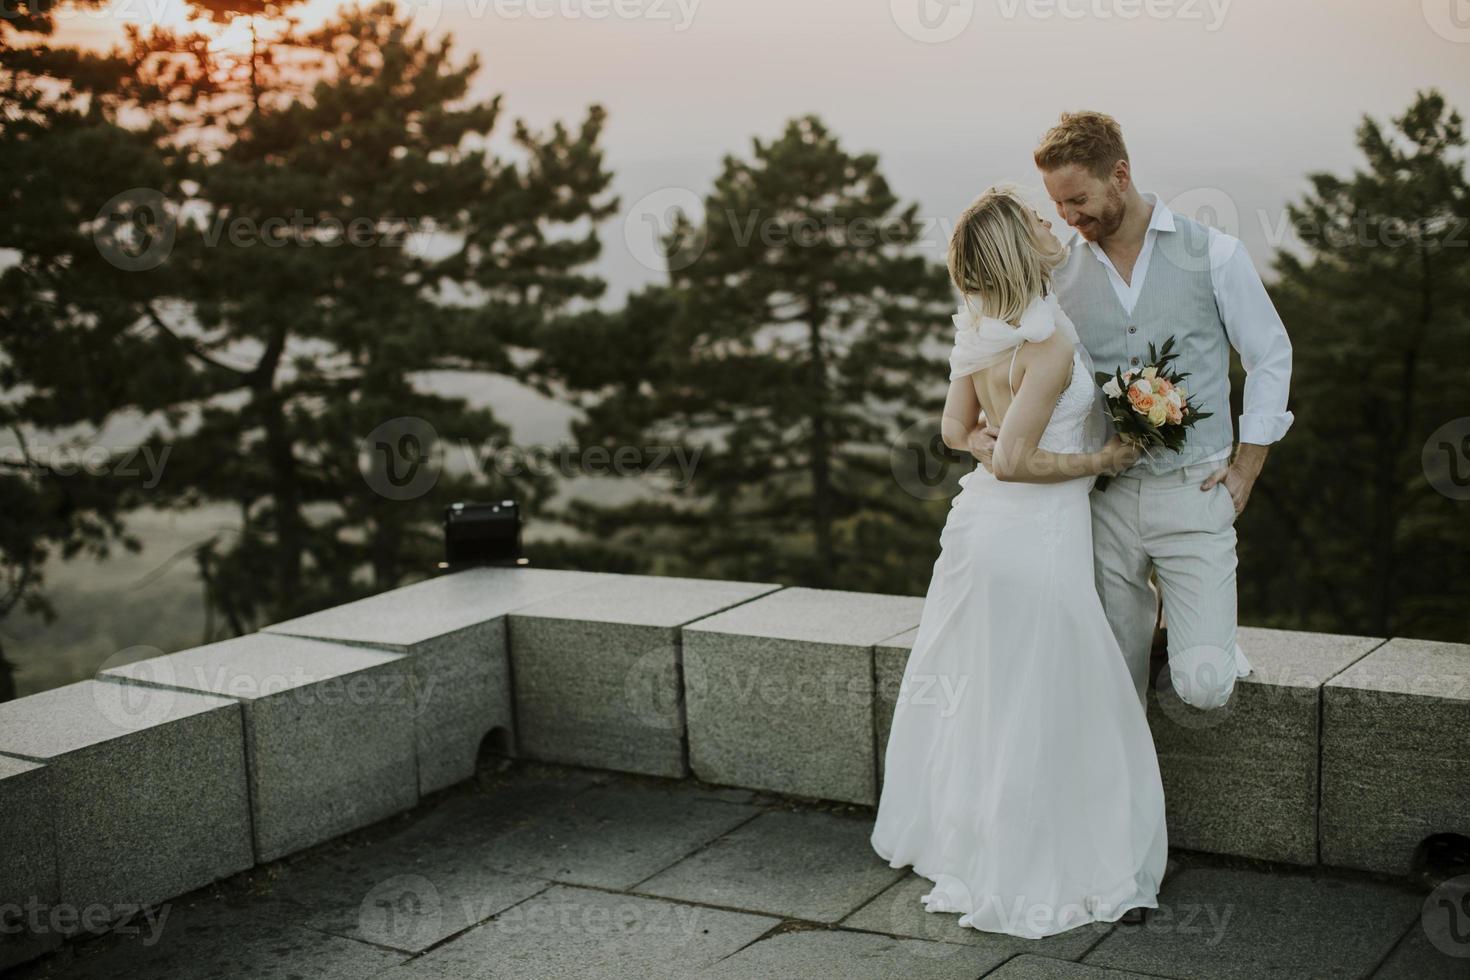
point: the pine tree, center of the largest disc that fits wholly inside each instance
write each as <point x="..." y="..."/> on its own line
<point x="69" y="354"/>
<point x="796" y="339"/>
<point x="265" y="291"/>
<point x="1354" y="531"/>
<point x="346" y="308"/>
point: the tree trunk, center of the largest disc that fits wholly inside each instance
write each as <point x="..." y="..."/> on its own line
<point x="820" y="452"/>
<point x="286" y="492"/>
<point x="7" y="678"/>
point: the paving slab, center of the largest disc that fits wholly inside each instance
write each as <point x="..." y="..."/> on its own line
<point x="28" y="879"/>
<point x="1235" y="924"/>
<point x="397" y="898"/>
<point x="1396" y="755"/>
<point x="149" y="793"/>
<point x="898" y="911"/>
<point x="1033" y="967"/>
<point x="329" y="729"/>
<point x="780" y="691"/>
<point x="474" y="814"/>
<point x="201" y="938"/>
<point x="1243" y="779"/>
<point x="616" y="836"/>
<point x="836" y="954"/>
<point x="1437" y="948"/>
<point x="598" y="670"/>
<point x="806" y="865"/>
<point x="568" y="933"/>
<point x="453" y="627"/>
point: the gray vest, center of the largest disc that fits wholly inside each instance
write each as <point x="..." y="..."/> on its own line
<point x="1177" y="299"/>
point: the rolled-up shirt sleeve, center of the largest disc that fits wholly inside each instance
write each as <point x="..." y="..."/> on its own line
<point x="1257" y="333"/>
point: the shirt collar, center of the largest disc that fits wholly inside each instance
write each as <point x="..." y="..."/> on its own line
<point x="1162" y="219"/>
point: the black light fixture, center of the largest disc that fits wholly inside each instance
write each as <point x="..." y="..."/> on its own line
<point x="482" y="534"/>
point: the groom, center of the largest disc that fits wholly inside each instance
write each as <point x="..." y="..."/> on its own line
<point x="1140" y="274"/>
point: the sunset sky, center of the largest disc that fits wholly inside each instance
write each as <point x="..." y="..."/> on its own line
<point x="1225" y="105"/>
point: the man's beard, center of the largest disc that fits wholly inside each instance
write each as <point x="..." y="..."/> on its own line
<point x="1106" y="223"/>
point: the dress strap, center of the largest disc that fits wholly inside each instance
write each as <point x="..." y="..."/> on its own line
<point x="1012" y="369"/>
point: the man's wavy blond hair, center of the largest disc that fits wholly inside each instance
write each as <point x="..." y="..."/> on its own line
<point x="995" y="256"/>
<point x="1092" y="140"/>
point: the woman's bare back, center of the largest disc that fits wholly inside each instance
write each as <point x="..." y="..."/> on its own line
<point x="993" y="391"/>
<point x="996" y="386"/>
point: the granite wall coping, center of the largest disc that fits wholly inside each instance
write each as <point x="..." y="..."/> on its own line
<point x="646" y="600"/>
<point x="437" y="606"/>
<point x="77" y="716"/>
<point x="832" y="616"/>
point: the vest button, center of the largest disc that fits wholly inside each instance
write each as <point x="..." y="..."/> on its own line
<point x="1135" y="360"/>
<point x="1132" y="328"/>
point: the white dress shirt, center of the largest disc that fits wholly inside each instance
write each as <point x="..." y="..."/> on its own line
<point x="1251" y="323"/>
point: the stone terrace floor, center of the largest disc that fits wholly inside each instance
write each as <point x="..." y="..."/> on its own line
<point x="542" y="872"/>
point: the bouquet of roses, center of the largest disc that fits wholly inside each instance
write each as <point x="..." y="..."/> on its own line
<point x="1149" y="406"/>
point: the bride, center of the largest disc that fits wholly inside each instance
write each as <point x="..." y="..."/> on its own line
<point x="1020" y="775"/>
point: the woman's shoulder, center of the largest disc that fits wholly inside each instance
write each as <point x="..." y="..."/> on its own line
<point x="1048" y="361"/>
<point x="1055" y="348"/>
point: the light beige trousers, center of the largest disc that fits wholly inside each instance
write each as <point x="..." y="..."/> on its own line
<point x="1186" y="536"/>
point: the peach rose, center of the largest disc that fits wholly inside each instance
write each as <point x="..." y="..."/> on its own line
<point x="1141" y="402"/>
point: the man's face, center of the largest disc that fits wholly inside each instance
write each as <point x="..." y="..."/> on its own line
<point x="1092" y="205"/>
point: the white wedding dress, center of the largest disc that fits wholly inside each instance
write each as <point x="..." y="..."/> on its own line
<point x="1020" y="774"/>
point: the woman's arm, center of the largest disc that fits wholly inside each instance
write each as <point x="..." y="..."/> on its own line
<point x="1045" y="370"/>
<point x="961" y="413"/>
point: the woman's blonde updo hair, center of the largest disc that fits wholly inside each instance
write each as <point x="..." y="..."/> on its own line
<point x="995" y="255"/>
